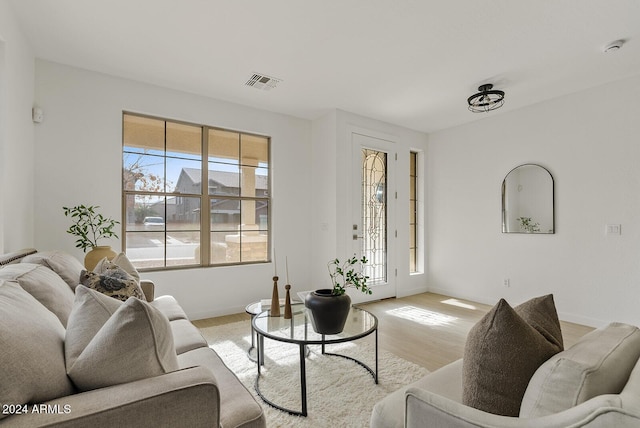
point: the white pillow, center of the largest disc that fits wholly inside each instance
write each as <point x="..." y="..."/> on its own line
<point x="64" y="264"/>
<point x="91" y="310"/>
<point x="135" y="342"/>
<point x="32" y="367"/>
<point x="44" y="284"/>
<point x="122" y="261"/>
<point x="599" y="363"/>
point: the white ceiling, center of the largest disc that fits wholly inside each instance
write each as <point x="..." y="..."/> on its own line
<point x="408" y="62"/>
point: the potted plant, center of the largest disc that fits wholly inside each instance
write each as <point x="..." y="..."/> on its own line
<point x="89" y="227"/>
<point x="329" y="307"/>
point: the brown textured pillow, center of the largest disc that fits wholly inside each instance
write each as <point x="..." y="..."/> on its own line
<point x="112" y="281"/>
<point x="540" y="313"/>
<point x="503" y="351"/>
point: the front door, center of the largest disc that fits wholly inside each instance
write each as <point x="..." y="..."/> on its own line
<point x="374" y="211"/>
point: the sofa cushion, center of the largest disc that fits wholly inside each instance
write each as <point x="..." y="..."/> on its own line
<point x="112" y="280"/>
<point x="238" y="408"/>
<point x="32" y="368"/>
<point x="43" y="284"/>
<point x="446" y="382"/>
<point x="169" y="306"/>
<point x="186" y="336"/>
<point x="64" y="264"/>
<point x="134" y="343"/>
<point x="599" y="363"/>
<point x="503" y="351"/>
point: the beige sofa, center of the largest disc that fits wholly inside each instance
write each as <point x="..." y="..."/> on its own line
<point x="595" y="383"/>
<point x="200" y="392"/>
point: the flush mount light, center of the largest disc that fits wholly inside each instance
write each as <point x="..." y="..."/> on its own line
<point x="486" y="100"/>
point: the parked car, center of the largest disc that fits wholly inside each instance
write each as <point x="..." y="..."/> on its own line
<point x="153" y="223"/>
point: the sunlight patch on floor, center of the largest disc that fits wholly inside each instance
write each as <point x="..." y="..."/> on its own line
<point x="458" y="303"/>
<point x="421" y="316"/>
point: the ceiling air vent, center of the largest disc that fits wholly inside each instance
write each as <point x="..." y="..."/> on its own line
<point x="261" y="81"/>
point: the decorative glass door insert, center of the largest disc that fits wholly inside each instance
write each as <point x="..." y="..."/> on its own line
<point x="374" y="213"/>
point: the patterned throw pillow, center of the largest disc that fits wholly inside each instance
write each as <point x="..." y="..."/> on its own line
<point x="112" y="281"/>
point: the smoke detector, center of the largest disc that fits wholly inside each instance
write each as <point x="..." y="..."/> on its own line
<point x="613" y="46"/>
<point x="262" y="81"/>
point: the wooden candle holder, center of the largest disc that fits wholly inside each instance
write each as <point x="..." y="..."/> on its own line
<point x="275" y="300"/>
<point x="287" y="303"/>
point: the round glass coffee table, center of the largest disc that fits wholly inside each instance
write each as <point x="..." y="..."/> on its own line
<point x="298" y="330"/>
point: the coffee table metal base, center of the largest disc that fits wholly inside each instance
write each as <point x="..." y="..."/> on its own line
<point x="303" y="373"/>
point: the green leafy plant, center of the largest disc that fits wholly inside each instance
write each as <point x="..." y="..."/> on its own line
<point x="529" y="225"/>
<point x="348" y="274"/>
<point x="89" y="226"/>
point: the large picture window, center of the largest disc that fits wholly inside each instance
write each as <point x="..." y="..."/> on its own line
<point x="165" y="164"/>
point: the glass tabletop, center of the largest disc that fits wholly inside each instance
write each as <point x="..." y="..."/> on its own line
<point x="299" y="330"/>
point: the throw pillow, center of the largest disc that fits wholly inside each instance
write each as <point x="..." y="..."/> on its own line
<point x="599" y="363"/>
<point x="32" y="366"/>
<point x="43" y="284"/>
<point x="91" y="310"/>
<point x="64" y="264"/>
<point x="540" y="313"/>
<point x="113" y="281"/>
<point x="502" y="352"/>
<point x="134" y="343"/>
<point x="123" y="261"/>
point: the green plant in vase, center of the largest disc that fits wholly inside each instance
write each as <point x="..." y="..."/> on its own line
<point x="348" y="274"/>
<point x="329" y="307"/>
<point x="90" y="227"/>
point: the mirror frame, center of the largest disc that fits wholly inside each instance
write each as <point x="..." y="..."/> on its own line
<point x="553" y="215"/>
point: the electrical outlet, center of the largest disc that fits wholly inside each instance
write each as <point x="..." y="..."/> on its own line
<point x="506" y="282"/>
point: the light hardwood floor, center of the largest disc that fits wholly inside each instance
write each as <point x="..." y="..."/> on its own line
<point x="428" y="329"/>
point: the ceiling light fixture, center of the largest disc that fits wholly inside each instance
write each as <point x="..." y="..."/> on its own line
<point x="486" y="100"/>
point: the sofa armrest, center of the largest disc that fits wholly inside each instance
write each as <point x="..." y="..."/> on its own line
<point x="187" y="397"/>
<point x="425" y="409"/>
<point x="148" y="288"/>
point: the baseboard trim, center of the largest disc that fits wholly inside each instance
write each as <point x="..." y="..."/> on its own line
<point x="564" y="316"/>
<point x="201" y="315"/>
<point x="411" y="291"/>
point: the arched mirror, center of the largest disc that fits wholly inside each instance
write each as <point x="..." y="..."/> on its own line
<point x="527" y="200"/>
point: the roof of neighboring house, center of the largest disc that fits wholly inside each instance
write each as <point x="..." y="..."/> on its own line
<point x="224" y="178"/>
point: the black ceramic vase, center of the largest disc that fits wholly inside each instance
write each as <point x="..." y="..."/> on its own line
<point x="328" y="312"/>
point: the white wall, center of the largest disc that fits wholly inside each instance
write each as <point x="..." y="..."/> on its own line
<point x="589" y="141"/>
<point x="78" y="160"/>
<point x="332" y="166"/>
<point x="16" y="134"/>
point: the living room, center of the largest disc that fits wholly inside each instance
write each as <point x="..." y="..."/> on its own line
<point x="586" y="136"/>
<point x="589" y="147"/>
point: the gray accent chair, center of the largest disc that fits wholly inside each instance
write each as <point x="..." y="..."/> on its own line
<point x="595" y="383"/>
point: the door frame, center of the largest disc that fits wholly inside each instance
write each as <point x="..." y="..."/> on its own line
<point x="384" y="143"/>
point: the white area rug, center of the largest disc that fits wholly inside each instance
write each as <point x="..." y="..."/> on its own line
<point x="340" y="393"/>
